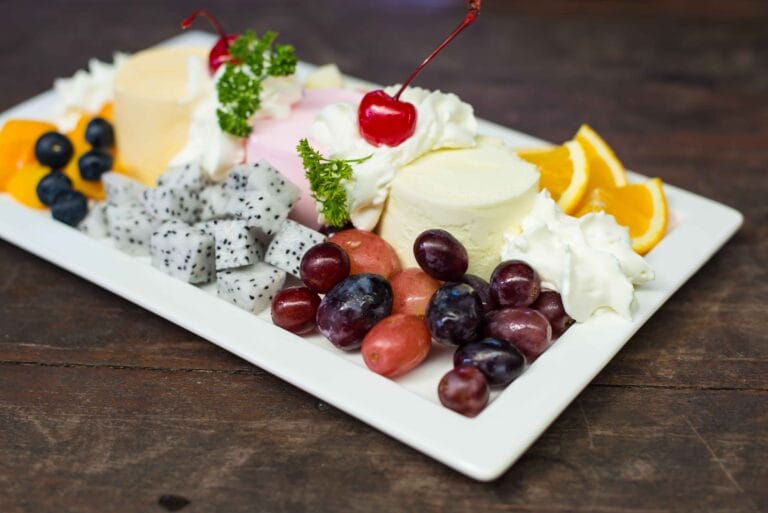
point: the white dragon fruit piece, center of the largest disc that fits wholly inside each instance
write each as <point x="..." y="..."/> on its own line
<point x="95" y="222"/>
<point x="259" y="210"/>
<point x="167" y="203"/>
<point x="251" y="288"/>
<point x="183" y="252"/>
<point x="213" y="202"/>
<point x="236" y="245"/>
<point x="121" y="190"/>
<point x="189" y="177"/>
<point x="130" y="227"/>
<point x="289" y="245"/>
<point x="261" y="176"/>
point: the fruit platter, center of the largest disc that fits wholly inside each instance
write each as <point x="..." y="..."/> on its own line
<point x="451" y="282"/>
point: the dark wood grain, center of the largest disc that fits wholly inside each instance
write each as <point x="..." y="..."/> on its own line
<point x="106" y="407"/>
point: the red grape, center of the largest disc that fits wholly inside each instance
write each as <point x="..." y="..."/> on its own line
<point x="368" y="253"/>
<point x="465" y="390"/>
<point x="396" y="345"/>
<point x="515" y="283"/>
<point x="412" y="289"/>
<point x="550" y="305"/>
<point x="524" y="328"/>
<point x="441" y="255"/>
<point x="323" y="266"/>
<point x="295" y="308"/>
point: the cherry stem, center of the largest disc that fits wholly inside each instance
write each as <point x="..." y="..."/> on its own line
<point x="202" y="12"/>
<point x="471" y="16"/>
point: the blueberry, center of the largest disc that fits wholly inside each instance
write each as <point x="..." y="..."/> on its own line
<point x="51" y="186"/>
<point x="70" y="208"/>
<point x="54" y="150"/>
<point x="99" y="133"/>
<point x="93" y="164"/>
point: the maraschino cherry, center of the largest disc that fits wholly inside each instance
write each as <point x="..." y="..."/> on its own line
<point x="220" y="52"/>
<point x="386" y="120"/>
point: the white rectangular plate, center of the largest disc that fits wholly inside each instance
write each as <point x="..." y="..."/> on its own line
<point x="408" y="408"/>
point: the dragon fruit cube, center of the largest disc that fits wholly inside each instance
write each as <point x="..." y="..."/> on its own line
<point x="95" y="222"/>
<point x="213" y="202"/>
<point x="190" y="178"/>
<point x="289" y="245"/>
<point x="236" y="245"/>
<point x="130" y="228"/>
<point x="183" y="252"/>
<point x="167" y="203"/>
<point x="262" y="177"/>
<point x="259" y="210"/>
<point x="251" y="288"/>
<point x="121" y="190"/>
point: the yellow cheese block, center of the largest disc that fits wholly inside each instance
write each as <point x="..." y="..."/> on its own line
<point x="155" y="96"/>
<point x="477" y="194"/>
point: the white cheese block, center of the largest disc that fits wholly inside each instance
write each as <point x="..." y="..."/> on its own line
<point x="477" y="194"/>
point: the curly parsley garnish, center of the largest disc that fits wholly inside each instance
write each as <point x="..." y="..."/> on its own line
<point x="239" y="88"/>
<point x="326" y="181"/>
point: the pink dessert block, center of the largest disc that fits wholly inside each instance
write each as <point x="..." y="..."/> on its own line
<point x="275" y="140"/>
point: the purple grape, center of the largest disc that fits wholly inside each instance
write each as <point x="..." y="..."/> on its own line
<point x="354" y="306"/>
<point x="441" y="255"/>
<point x="498" y="360"/>
<point x="455" y="315"/>
<point x="515" y="283"/>
<point x="550" y="305"/>
<point x="524" y="328"/>
<point x="323" y="266"/>
<point x="483" y="290"/>
<point x="465" y="390"/>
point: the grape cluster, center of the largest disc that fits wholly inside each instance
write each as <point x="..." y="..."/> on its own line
<point x="497" y="327"/>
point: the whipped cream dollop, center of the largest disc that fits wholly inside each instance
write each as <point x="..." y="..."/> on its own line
<point x="589" y="260"/>
<point x="208" y="145"/>
<point x="86" y="91"/>
<point x="442" y="121"/>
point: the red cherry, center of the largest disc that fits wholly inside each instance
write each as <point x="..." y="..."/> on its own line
<point x="220" y="52"/>
<point x="384" y="119"/>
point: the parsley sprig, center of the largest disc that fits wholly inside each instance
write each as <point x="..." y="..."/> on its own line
<point x="326" y="181"/>
<point x="239" y="88"/>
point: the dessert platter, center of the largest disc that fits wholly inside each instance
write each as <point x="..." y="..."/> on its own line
<point x="449" y="281"/>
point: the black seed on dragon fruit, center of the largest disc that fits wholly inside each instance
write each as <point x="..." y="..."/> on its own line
<point x="130" y="227"/>
<point x="183" y="252"/>
<point x="289" y="245"/>
<point x="213" y="202"/>
<point x="251" y="288"/>
<point x="121" y="190"/>
<point x="167" y="203"/>
<point x="236" y="245"/>
<point x="259" y="210"/>
<point x="208" y="227"/>
<point x="95" y="222"/>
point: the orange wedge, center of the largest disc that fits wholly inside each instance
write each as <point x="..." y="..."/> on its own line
<point x="564" y="172"/>
<point x="605" y="169"/>
<point x="640" y="207"/>
<point x="17" y="145"/>
<point x="22" y="186"/>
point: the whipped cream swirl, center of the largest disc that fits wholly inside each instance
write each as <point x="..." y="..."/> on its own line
<point x="442" y="121"/>
<point x="589" y="260"/>
<point x="208" y="145"/>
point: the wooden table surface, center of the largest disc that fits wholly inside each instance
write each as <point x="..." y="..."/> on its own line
<point x="106" y="407"/>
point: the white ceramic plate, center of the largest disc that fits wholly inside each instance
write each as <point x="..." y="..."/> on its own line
<point x="406" y="409"/>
